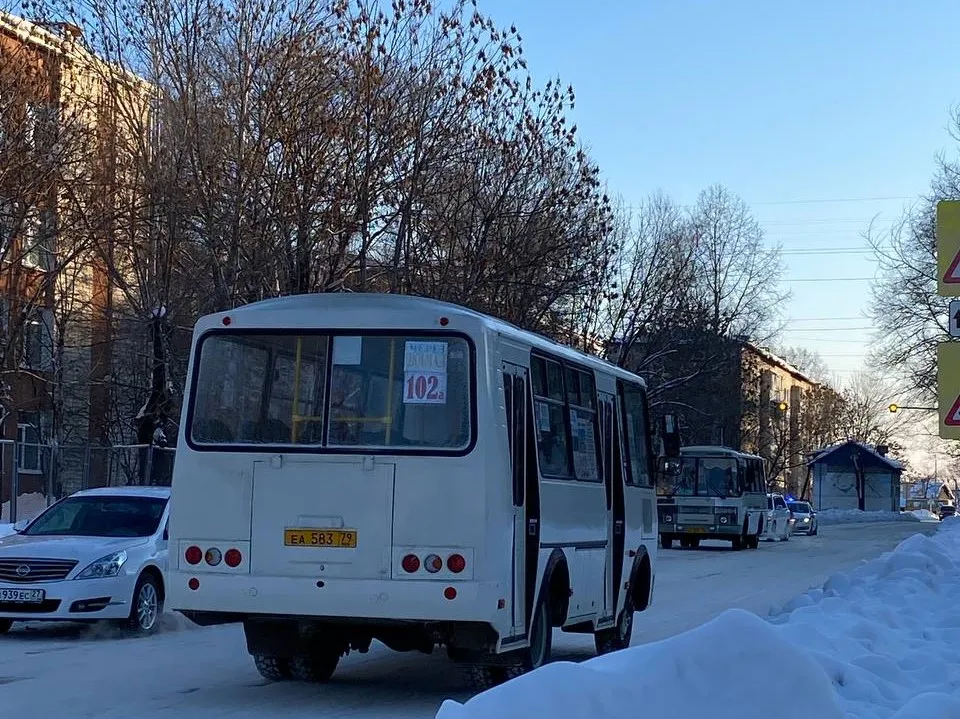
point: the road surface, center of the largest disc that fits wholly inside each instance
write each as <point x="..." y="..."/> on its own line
<point x="54" y="671"/>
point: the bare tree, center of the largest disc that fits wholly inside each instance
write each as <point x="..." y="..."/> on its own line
<point x="910" y="316"/>
<point x="865" y="417"/>
<point x="739" y="290"/>
<point x="808" y="361"/>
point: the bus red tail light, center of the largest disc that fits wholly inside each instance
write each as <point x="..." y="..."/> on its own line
<point x="233" y="557"/>
<point x="193" y="555"/>
<point x="410" y="563"/>
<point x="456" y="563"/>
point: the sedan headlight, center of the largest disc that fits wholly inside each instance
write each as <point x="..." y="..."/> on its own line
<point x="108" y="566"/>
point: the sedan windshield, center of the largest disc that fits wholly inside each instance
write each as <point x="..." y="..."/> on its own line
<point x="799" y="507"/>
<point x="101" y="516"/>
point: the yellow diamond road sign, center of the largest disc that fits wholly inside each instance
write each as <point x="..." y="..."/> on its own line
<point x="948" y="248"/>
<point x="948" y="389"/>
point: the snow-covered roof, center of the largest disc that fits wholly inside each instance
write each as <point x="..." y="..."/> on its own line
<point x="827" y="451"/>
<point x="774" y="359"/>
<point x="929" y="489"/>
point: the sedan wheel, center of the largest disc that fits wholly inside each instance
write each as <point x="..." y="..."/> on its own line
<point x="146" y="606"/>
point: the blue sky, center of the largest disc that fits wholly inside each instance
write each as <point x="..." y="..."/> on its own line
<point x="782" y="102"/>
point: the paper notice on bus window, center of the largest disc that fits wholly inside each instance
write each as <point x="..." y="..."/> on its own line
<point x="543" y="416"/>
<point x="428" y="357"/>
<point x="425" y="372"/>
<point x="347" y="350"/>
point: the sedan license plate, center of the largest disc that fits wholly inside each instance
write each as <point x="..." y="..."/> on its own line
<point x="22" y="596"/>
<point x="335" y="538"/>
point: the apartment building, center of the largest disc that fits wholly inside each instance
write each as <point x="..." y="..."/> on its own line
<point x="60" y="187"/>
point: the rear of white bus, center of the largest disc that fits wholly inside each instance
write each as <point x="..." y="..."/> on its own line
<point x="328" y="491"/>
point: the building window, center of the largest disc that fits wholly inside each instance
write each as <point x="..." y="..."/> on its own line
<point x="37" y="332"/>
<point x="34" y="246"/>
<point x="30" y="442"/>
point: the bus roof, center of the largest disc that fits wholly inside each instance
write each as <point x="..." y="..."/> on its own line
<point x="710" y="450"/>
<point x="379" y="310"/>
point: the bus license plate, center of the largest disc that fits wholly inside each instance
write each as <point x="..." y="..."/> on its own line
<point x="696" y="530"/>
<point x="337" y="538"/>
<point x="22" y="596"/>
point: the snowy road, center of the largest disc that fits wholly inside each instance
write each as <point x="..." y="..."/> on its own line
<point x="59" y="671"/>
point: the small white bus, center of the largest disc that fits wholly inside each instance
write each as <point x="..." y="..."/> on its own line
<point x="712" y="492"/>
<point x="355" y="467"/>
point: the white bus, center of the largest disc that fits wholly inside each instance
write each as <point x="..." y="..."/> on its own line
<point x="712" y="492"/>
<point x="354" y="467"/>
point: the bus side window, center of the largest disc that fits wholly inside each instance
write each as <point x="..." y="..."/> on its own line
<point x="637" y="433"/>
<point x="550" y="420"/>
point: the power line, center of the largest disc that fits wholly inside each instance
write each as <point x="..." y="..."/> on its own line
<point x="829" y="329"/>
<point x="823" y="201"/>
<point x="819" y="319"/>
<point x="829" y="279"/>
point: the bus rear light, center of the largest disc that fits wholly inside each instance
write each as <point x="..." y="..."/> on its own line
<point x="433" y="563"/>
<point x="233" y="557"/>
<point x="213" y="556"/>
<point x="450" y="593"/>
<point x="410" y="563"/>
<point x="194" y="583"/>
<point x="193" y="555"/>
<point x="456" y="563"/>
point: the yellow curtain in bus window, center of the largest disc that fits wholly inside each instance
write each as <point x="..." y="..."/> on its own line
<point x="425" y="372"/>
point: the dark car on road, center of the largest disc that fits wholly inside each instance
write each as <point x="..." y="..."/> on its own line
<point x="947" y="510"/>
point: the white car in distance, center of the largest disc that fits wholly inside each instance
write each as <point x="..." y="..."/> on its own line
<point x="99" y="554"/>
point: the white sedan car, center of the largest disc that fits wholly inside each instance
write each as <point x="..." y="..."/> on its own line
<point x="778" y="524"/>
<point x="97" y="554"/>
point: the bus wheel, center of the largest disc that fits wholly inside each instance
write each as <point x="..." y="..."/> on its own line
<point x="317" y="667"/>
<point x="618" y="637"/>
<point x="272" y="668"/>
<point x="666" y="542"/>
<point x="737" y="543"/>
<point x="541" y="634"/>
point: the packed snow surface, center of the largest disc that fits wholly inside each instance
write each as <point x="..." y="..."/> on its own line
<point x="855" y="516"/>
<point x="881" y="641"/>
<point x="925" y="515"/>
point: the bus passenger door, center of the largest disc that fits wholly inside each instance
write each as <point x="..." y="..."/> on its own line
<point x="614" y="562"/>
<point x="516" y="394"/>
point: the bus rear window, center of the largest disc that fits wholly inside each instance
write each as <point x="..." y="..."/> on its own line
<point x="350" y="392"/>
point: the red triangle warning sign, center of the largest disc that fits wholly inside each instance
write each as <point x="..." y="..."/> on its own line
<point x="952" y="275"/>
<point x="953" y="415"/>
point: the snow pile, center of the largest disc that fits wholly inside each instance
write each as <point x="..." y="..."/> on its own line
<point x="733" y="666"/>
<point x="879" y="642"/>
<point x="855" y="516"/>
<point x="28" y="506"/>
<point x="925" y="515"/>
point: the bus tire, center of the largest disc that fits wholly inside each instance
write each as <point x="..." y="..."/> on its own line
<point x="666" y="542"/>
<point x="318" y="667"/>
<point x="617" y="637"/>
<point x="541" y="635"/>
<point x="272" y="668"/>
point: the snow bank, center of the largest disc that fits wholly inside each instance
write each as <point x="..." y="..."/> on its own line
<point x="732" y="666"/>
<point x="879" y="642"/>
<point x="28" y="506"/>
<point x="855" y="516"/>
<point x="925" y="515"/>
